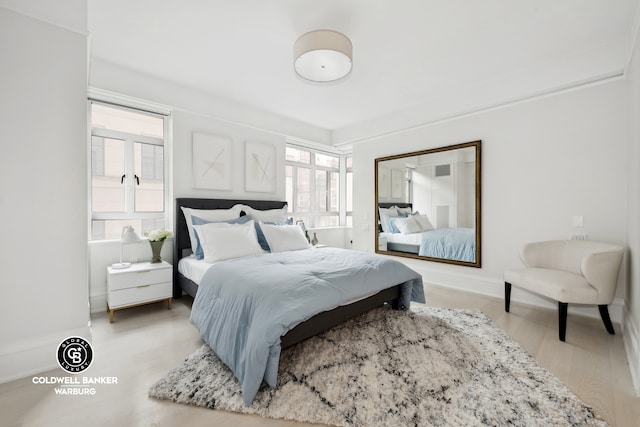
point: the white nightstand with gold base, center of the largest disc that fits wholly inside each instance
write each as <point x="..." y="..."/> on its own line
<point x="142" y="283"/>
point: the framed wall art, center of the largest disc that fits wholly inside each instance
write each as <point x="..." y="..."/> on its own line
<point x="260" y="167"/>
<point x="211" y="161"/>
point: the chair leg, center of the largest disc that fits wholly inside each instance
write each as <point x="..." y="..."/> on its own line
<point x="562" y="320"/>
<point x="604" y="313"/>
<point x="507" y="296"/>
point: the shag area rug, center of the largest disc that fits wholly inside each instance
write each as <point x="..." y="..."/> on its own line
<point x="428" y="366"/>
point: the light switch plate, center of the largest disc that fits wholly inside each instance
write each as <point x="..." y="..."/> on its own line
<point x="578" y="221"/>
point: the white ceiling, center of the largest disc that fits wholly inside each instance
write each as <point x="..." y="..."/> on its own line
<point x="414" y="60"/>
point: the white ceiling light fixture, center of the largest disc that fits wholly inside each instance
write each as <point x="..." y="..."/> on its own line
<point x="323" y="56"/>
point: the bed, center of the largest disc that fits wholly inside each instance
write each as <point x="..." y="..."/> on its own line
<point x="326" y="308"/>
<point x="447" y="243"/>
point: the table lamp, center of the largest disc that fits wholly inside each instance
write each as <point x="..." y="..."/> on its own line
<point x="128" y="236"/>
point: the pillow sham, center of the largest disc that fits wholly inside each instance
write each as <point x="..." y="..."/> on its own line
<point x="403" y="211"/>
<point x="407" y="225"/>
<point x="276" y="216"/>
<point x="423" y="222"/>
<point x="263" y="240"/>
<point x="195" y="220"/>
<point x="208" y="215"/>
<point x="283" y="238"/>
<point x="221" y="240"/>
<point x="385" y="216"/>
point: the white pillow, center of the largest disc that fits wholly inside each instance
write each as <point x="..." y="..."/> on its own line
<point x="423" y="222"/>
<point x="208" y="215"/>
<point x="407" y="225"/>
<point x="277" y="216"/>
<point x="405" y="211"/>
<point x="283" y="238"/>
<point x="385" y="215"/>
<point x="222" y="241"/>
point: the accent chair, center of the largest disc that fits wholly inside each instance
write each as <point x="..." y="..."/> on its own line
<point x="568" y="271"/>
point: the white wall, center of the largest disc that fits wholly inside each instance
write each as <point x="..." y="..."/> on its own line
<point x="196" y="111"/>
<point x="43" y="185"/>
<point x="543" y="161"/>
<point x="632" y="297"/>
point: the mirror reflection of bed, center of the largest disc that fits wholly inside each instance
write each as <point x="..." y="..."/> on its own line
<point x="428" y="204"/>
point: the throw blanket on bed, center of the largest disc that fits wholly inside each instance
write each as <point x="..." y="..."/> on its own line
<point x="244" y="305"/>
<point x="450" y="243"/>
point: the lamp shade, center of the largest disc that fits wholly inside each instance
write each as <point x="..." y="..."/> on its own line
<point x="129" y="235"/>
<point x="323" y="56"/>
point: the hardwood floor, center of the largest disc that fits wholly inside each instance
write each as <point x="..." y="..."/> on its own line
<point x="147" y="341"/>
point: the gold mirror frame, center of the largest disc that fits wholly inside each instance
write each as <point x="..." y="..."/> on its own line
<point x="477" y="214"/>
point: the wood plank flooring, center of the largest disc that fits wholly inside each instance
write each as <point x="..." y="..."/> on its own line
<point x="147" y="341"/>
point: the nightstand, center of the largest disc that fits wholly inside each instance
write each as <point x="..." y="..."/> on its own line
<point x="142" y="283"/>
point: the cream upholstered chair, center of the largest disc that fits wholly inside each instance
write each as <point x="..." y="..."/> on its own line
<point x="568" y="271"/>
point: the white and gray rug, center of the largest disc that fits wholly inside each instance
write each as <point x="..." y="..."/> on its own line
<point x="432" y="366"/>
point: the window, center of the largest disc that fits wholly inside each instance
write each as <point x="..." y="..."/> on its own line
<point x="313" y="187"/>
<point x="127" y="171"/>
<point x="349" y="191"/>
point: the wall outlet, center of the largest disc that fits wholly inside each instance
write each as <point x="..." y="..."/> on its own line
<point x="578" y="236"/>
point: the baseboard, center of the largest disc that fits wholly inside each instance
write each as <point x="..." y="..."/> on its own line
<point x="35" y="355"/>
<point x="632" y="349"/>
<point x="98" y="303"/>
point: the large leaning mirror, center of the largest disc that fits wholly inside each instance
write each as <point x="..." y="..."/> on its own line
<point x="428" y="204"/>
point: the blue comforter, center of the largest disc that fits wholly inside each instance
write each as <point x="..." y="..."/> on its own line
<point x="244" y="305"/>
<point x="451" y="243"/>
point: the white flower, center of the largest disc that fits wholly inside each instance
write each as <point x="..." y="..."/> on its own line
<point x="158" y="235"/>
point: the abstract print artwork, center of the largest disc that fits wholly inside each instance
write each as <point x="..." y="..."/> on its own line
<point x="260" y="167"/>
<point x="211" y="161"/>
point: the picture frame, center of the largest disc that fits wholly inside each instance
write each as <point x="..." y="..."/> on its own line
<point x="260" y="167"/>
<point x="383" y="182"/>
<point x="211" y="161"/>
<point x="396" y="183"/>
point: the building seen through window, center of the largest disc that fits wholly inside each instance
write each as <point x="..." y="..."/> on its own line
<point x="127" y="171"/>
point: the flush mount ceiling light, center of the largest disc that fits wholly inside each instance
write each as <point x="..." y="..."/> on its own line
<point x="322" y="56"/>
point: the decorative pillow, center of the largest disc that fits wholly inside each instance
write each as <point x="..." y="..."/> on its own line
<point x="208" y="215"/>
<point x="392" y="224"/>
<point x="423" y="222"/>
<point x="385" y="216"/>
<point x="403" y="211"/>
<point x="263" y="240"/>
<point x="407" y="225"/>
<point x="283" y="238"/>
<point x="222" y="241"/>
<point x="199" y="253"/>
<point x="276" y="216"/>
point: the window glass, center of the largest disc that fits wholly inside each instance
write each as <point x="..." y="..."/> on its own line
<point x="313" y="187"/>
<point x="349" y="189"/>
<point x="327" y="161"/>
<point x="127" y="171"/>
<point x="299" y="156"/>
<point x="149" y="177"/>
<point x="303" y="199"/>
<point x="124" y="120"/>
<point x="107" y="168"/>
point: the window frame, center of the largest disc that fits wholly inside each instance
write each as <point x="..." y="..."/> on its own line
<point x="140" y="107"/>
<point x="341" y="171"/>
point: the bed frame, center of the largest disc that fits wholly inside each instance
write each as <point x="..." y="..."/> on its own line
<point x="307" y="329"/>
<point x="400" y="247"/>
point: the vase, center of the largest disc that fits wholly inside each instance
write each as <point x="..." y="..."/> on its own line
<point x="314" y="241"/>
<point x="156" y="247"/>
